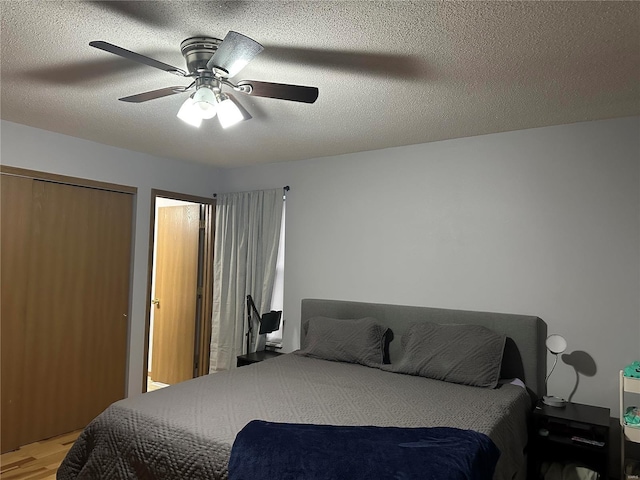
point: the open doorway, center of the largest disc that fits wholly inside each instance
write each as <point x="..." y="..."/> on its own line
<point x="178" y="327"/>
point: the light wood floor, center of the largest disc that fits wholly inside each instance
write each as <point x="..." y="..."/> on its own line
<point x="39" y="460"/>
<point x="151" y="385"/>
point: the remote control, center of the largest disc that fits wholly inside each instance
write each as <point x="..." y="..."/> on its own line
<point x="587" y="441"/>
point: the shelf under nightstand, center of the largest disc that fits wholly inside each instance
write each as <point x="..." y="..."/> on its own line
<point x="553" y="429"/>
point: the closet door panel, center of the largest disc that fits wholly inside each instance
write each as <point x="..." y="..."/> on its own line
<point x="77" y="304"/>
<point x="15" y="227"/>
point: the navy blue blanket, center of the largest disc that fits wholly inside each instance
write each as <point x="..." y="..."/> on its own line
<point x="286" y="451"/>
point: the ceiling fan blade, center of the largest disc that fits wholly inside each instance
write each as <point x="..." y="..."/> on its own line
<point x="233" y="54"/>
<point x="136" y="57"/>
<point x="369" y="63"/>
<point x="296" y="93"/>
<point x="153" y="94"/>
<point x="138" y="12"/>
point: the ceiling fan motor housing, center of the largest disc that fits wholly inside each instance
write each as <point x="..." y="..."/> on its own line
<point x="197" y="51"/>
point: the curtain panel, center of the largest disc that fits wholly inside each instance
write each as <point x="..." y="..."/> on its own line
<point x="246" y="243"/>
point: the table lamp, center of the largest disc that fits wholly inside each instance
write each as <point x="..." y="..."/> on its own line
<point x="556" y="344"/>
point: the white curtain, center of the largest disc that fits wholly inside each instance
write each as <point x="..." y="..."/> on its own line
<point x="277" y="298"/>
<point x="245" y="253"/>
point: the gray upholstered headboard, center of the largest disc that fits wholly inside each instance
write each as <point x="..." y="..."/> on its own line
<point x="525" y="352"/>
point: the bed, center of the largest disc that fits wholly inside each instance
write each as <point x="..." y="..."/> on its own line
<point x="187" y="430"/>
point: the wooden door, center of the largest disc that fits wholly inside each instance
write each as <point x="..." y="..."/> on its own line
<point x="15" y="228"/>
<point x="174" y="322"/>
<point x="75" y="320"/>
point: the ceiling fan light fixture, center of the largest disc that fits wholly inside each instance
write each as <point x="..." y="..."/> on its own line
<point x="190" y="113"/>
<point x="210" y="63"/>
<point x="205" y="101"/>
<point x="228" y="112"/>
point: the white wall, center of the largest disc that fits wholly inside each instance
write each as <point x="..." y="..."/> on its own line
<point x="542" y="222"/>
<point x="44" y="151"/>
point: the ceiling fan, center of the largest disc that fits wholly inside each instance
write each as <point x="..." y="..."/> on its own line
<point x="211" y="62"/>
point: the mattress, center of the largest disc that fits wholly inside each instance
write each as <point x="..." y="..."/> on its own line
<point x="186" y="431"/>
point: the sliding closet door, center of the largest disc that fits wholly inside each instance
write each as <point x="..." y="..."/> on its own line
<point x="15" y="228"/>
<point x="77" y="301"/>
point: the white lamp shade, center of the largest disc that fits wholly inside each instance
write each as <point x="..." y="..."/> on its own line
<point x="207" y="110"/>
<point x="205" y="100"/>
<point x="190" y="113"/>
<point x="556" y="344"/>
<point x="228" y="112"/>
<point x="204" y="94"/>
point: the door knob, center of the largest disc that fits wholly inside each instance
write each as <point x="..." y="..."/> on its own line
<point x="156" y="302"/>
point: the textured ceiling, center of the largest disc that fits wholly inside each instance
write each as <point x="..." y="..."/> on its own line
<point x="389" y="73"/>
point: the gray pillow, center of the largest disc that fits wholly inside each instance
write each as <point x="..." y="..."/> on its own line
<point x="361" y="341"/>
<point x="467" y="354"/>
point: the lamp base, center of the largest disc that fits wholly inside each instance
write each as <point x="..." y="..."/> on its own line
<point x="554" y="401"/>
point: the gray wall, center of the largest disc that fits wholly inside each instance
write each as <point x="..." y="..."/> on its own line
<point x="542" y="222"/>
<point x="44" y="151"/>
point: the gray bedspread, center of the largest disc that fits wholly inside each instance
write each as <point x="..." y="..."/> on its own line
<point x="186" y="431"/>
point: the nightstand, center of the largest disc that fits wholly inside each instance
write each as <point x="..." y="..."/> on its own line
<point x="573" y="433"/>
<point x="255" y="357"/>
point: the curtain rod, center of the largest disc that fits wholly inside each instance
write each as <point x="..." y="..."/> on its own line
<point x="286" y="188"/>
